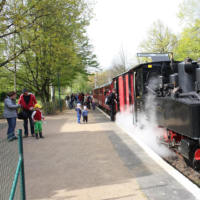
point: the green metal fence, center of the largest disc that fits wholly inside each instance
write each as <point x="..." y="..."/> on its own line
<point x="12" y="181"/>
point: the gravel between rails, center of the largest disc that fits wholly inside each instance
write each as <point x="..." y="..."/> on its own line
<point x="179" y="164"/>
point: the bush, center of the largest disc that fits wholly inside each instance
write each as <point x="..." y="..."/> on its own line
<point x="52" y="107"/>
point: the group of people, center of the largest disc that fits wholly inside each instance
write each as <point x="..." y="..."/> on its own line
<point x="74" y="99"/>
<point x="30" y="110"/>
<point x="111" y="101"/>
<point x="28" y="105"/>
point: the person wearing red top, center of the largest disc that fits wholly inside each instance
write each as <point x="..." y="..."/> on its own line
<point x="37" y="118"/>
<point x="27" y="101"/>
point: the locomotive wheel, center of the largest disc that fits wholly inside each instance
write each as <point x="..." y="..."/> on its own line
<point x="188" y="162"/>
<point x="192" y="162"/>
<point x="196" y="164"/>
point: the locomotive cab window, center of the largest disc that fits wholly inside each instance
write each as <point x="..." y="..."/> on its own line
<point x="139" y="83"/>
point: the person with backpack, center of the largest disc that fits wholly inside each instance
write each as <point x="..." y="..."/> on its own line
<point x="111" y="101"/>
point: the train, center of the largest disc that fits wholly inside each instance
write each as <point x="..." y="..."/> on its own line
<point x="175" y="86"/>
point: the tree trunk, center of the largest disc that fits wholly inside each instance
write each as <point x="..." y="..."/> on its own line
<point x="53" y="93"/>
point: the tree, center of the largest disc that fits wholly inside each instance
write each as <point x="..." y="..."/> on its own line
<point x="189" y="43"/>
<point x="189" y="12"/>
<point x="159" y="40"/>
<point x="61" y="47"/>
<point x="16" y="17"/>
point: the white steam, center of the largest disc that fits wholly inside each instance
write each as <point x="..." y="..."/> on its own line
<point x="146" y="128"/>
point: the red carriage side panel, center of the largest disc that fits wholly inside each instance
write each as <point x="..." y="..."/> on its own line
<point x="121" y="94"/>
<point x="127" y="92"/>
<point x="101" y="96"/>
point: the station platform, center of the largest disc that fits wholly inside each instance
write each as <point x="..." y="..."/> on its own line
<point x="94" y="161"/>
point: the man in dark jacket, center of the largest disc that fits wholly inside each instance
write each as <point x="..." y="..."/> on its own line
<point x="27" y="102"/>
<point x="112" y="104"/>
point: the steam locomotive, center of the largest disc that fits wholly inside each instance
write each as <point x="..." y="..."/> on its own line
<point x="176" y="90"/>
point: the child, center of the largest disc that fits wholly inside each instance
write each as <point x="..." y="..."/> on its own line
<point x="78" y="111"/>
<point x="85" y="114"/>
<point x="37" y="118"/>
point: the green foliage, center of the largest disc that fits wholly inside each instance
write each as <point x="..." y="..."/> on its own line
<point x="189" y="12"/>
<point x="45" y="39"/>
<point x="189" y="43"/>
<point x="83" y="83"/>
<point x="159" y="40"/>
<point x="52" y="107"/>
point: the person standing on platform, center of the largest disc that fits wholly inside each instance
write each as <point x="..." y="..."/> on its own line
<point x="78" y="111"/>
<point x="37" y="117"/>
<point x="27" y="101"/>
<point x="10" y="113"/>
<point x="85" y="114"/>
<point x="112" y="104"/>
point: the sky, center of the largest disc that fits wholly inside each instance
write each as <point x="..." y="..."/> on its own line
<point x="124" y="24"/>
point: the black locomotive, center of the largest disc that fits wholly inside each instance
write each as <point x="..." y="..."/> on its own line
<point x="178" y="105"/>
<point x="175" y="87"/>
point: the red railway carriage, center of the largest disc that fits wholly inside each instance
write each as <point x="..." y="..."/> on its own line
<point x="124" y="86"/>
<point x="99" y="95"/>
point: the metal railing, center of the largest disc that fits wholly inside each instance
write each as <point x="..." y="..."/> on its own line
<point x="19" y="171"/>
<point x="12" y="179"/>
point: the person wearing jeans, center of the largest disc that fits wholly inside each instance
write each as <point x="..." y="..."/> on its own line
<point x="10" y="113"/>
<point x="27" y="101"/>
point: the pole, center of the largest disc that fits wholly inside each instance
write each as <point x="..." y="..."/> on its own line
<point x="22" y="176"/>
<point x="15" y="78"/>
<point x="60" y="105"/>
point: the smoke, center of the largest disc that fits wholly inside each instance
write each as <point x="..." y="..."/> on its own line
<point x="146" y="128"/>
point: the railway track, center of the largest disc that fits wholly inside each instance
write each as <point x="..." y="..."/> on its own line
<point x="178" y="162"/>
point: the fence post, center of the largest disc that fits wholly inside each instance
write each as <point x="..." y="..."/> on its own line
<point x="22" y="175"/>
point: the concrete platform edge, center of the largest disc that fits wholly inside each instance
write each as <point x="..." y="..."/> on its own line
<point x="185" y="182"/>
